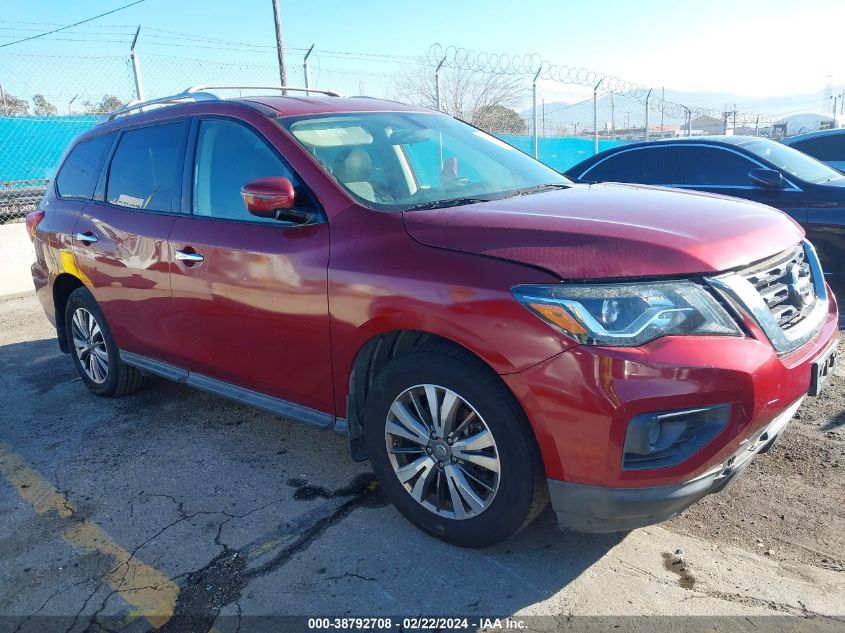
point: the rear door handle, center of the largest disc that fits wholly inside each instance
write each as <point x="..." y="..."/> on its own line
<point x="189" y="257"/>
<point x="87" y="237"/>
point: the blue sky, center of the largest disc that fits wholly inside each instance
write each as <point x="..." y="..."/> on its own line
<point x="749" y="47"/>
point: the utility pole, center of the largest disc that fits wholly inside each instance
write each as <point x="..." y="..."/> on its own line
<point x="835" y="98"/>
<point x="283" y="75"/>
<point x="647" y="97"/>
<point x="734" y="113"/>
<point x="662" y="108"/>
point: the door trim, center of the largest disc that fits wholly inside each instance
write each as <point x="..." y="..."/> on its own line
<point x="283" y="408"/>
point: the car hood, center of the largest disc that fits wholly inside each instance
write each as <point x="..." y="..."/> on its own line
<point x="612" y="231"/>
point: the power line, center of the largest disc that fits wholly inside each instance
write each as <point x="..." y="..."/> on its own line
<point x="69" y="26"/>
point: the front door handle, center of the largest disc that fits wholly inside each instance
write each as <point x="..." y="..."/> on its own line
<point x="189" y="257"/>
<point x="88" y="237"/>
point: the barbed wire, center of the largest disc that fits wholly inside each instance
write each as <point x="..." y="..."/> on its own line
<point x="533" y="65"/>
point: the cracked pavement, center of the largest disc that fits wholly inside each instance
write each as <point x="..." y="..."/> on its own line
<point x="211" y="511"/>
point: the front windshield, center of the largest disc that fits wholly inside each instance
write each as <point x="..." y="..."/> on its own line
<point x="406" y="160"/>
<point x="791" y="160"/>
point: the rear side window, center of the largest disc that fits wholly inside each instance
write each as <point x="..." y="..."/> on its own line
<point x="702" y="166"/>
<point x="229" y="155"/>
<point x="830" y="147"/>
<point x="80" y="172"/>
<point x="646" y="166"/>
<point x="145" y="171"/>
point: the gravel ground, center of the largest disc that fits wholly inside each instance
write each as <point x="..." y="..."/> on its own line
<point x="790" y="502"/>
<point x="192" y="511"/>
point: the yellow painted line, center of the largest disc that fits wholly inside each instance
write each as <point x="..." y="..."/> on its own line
<point x="148" y="590"/>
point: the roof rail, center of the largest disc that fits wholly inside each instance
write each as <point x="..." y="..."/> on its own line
<point x="201" y="93"/>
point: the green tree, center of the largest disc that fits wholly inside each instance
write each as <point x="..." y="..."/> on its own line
<point x="12" y="106"/>
<point x="42" y="107"/>
<point x="108" y="103"/>
<point x="499" y="119"/>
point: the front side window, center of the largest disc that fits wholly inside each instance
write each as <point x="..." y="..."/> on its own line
<point x="791" y="161"/>
<point x="645" y="166"/>
<point x="229" y="155"/>
<point x="402" y="160"/>
<point x="80" y="172"/>
<point x="703" y="166"/>
<point x="145" y="171"/>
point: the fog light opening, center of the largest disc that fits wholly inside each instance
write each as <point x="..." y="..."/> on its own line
<point x="667" y="438"/>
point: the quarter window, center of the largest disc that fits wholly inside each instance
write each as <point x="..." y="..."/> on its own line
<point x="229" y="155"/>
<point x="701" y="166"/>
<point x="645" y="166"/>
<point x="145" y="171"/>
<point x="79" y="174"/>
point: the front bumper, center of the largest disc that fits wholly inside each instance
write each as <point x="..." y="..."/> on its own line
<point x="584" y="508"/>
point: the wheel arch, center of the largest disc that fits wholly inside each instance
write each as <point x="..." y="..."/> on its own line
<point x="371" y="358"/>
<point x="63" y="286"/>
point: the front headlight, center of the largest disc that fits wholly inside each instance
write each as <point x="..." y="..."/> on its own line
<point x="627" y="314"/>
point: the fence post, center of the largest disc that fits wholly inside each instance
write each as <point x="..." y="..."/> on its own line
<point x="647" y="97"/>
<point x="305" y="67"/>
<point x="534" y="99"/>
<point x="437" y="83"/>
<point x="596" y="118"/>
<point x="136" y="67"/>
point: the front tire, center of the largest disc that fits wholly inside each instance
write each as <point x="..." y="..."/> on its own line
<point x="94" y="351"/>
<point x="452" y="448"/>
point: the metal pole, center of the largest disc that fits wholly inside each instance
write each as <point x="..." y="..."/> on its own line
<point x="437" y="83"/>
<point x="283" y="75"/>
<point x="612" y="116"/>
<point x="689" y="120"/>
<point x="647" y="97"/>
<point x="834" y="110"/>
<point x="136" y="67"/>
<point x="305" y="67"/>
<point x="534" y="101"/>
<point x="662" y="107"/>
<point x="596" y="118"/>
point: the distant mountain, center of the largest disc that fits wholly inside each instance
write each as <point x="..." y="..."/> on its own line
<point x="631" y="113"/>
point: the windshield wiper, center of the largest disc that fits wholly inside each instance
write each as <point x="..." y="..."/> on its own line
<point x="540" y="188"/>
<point x="442" y="204"/>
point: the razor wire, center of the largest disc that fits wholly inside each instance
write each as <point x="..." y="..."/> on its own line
<point x="534" y="65"/>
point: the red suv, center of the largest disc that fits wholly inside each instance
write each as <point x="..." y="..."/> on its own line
<point x="488" y="334"/>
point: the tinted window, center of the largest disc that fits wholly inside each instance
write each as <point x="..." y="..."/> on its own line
<point x="229" y="155"/>
<point x="80" y="172"/>
<point x="829" y="147"/>
<point x="697" y="165"/>
<point x="146" y="169"/>
<point x="646" y="166"/>
<point x="790" y="160"/>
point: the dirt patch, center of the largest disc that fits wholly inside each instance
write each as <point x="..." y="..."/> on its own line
<point x="677" y="565"/>
<point x="790" y="503"/>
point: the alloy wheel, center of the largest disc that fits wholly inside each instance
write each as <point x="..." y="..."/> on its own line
<point x="442" y="451"/>
<point x="90" y="345"/>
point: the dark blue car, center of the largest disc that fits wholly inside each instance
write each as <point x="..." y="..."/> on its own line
<point x="743" y="166"/>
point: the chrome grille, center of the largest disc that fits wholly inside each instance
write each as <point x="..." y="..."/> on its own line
<point x="784" y="294"/>
<point x="785" y="283"/>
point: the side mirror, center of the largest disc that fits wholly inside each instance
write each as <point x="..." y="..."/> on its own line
<point x="273" y="197"/>
<point x="768" y="178"/>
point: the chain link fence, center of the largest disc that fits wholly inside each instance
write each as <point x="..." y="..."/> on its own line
<point x="47" y="100"/>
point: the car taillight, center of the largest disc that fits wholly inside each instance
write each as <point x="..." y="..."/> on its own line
<point x="32" y="220"/>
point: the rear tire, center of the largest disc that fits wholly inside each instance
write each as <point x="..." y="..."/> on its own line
<point x="94" y="351"/>
<point x="475" y="487"/>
